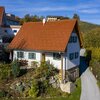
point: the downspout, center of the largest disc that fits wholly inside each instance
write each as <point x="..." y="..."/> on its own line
<point x="62" y="78"/>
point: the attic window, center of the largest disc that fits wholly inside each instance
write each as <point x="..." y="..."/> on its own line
<point x="14" y="31"/>
<point x="56" y="56"/>
<point x="73" y="39"/>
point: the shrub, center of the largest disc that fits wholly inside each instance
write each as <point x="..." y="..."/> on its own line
<point x="46" y="70"/>
<point x="2" y="93"/>
<point x="43" y="85"/>
<point x="23" y="62"/>
<point x="15" y="68"/>
<point x="34" y="64"/>
<point x="33" y="92"/>
<point x="95" y="62"/>
<point x="5" y="71"/>
<point x="20" y="87"/>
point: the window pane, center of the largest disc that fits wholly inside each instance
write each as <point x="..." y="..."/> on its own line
<point x="76" y="54"/>
<point x="32" y="55"/>
<point x="75" y="39"/>
<point x="14" y="31"/>
<point x="20" y="54"/>
<point x="71" y="39"/>
<point x="71" y="56"/>
<point x="56" y="56"/>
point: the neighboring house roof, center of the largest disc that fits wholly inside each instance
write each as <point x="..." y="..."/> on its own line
<point x="12" y="18"/>
<point x="52" y="36"/>
<point x="1" y="14"/>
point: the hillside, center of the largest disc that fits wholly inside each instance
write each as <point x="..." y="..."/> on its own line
<point x="85" y="27"/>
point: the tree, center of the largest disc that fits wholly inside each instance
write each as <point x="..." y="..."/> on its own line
<point x="92" y="38"/>
<point x="27" y="18"/>
<point x="76" y="16"/>
<point x="15" y="68"/>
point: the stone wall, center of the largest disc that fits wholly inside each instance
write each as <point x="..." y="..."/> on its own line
<point x="72" y="74"/>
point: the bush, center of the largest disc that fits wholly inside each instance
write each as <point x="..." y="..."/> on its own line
<point x="43" y="85"/>
<point x="15" y="68"/>
<point x="20" y="87"/>
<point x="46" y="70"/>
<point x="23" y="62"/>
<point x="2" y="93"/>
<point x="92" y="39"/>
<point x="5" y="71"/>
<point x="33" y="92"/>
<point x="95" y="62"/>
<point x="34" y="64"/>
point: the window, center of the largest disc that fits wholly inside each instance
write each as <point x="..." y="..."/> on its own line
<point x="71" y="56"/>
<point x="32" y="55"/>
<point x="56" y="56"/>
<point x="73" y="39"/>
<point x="14" y="31"/>
<point x="5" y="31"/>
<point x="1" y="40"/>
<point x="20" y="54"/>
<point x="76" y="54"/>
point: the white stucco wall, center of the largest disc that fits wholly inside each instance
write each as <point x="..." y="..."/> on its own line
<point x="56" y="63"/>
<point x="10" y="30"/>
<point x="72" y="48"/>
<point x="48" y="56"/>
<point x="16" y="30"/>
<point x="38" y="56"/>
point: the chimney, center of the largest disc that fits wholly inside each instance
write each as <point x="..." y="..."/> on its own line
<point x="44" y="21"/>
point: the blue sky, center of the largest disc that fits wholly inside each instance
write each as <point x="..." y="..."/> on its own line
<point x="88" y="10"/>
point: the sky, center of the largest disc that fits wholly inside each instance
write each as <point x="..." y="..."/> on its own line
<point x="88" y="10"/>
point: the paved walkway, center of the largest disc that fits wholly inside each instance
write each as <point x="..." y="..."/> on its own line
<point x="90" y="89"/>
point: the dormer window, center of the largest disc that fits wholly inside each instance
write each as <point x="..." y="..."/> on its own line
<point x="74" y="39"/>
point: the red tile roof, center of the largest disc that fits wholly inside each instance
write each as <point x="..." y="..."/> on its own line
<point x="1" y="14"/>
<point x="52" y="36"/>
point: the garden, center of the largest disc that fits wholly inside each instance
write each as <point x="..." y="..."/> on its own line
<point x="36" y="83"/>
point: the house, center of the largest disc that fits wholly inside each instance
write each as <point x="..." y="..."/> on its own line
<point x="58" y="42"/>
<point x="9" y="27"/>
<point x="11" y="30"/>
<point x="8" y="23"/>
<point x="55" y="18"/>
<point x="11" y="19"/>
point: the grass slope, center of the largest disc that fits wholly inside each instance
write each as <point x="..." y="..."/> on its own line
<point x="75" y="95"/>
<point x="85" y="27"/>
